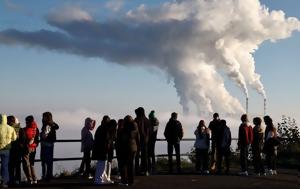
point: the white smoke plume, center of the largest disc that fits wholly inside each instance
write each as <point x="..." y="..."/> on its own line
<point x="193" y="41"/>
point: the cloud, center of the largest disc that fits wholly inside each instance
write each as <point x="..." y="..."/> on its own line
<point x="114" y="5"/>
<point x="193" y="41"/>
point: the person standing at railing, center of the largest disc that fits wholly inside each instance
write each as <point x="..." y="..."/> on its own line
<point x="118" y="143"/>
<point x="144" y="126"/>
<point x="48" y="137"/>
<point x="214" y="126"/>
<point x="112" y="131"/>
<point x="87" y="143"/>
<point x="128" y="141"/>
<point x="100" y="151"/>
<point x="257" y="145"/>
<point x="244" y="141"/>
<point x="201" y="146"/>
<point x="15" y="155"/>
<point x="223" y="147"/>
<point x="271" y="143"/>
<point x="173" y="134"/>
<point x="7" y="136"/>
<point x="152" y="140"/>
<point x="29" y="139"/>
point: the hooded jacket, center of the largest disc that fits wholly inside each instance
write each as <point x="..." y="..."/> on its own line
<point x="87" y="140"/>
<point x="7" y="133"/>
<point x="29" y="136"/>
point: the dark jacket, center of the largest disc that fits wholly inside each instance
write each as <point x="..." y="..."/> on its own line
<point x="154" y="128"/>
<point x="245" y="135"/>
<point x="101" y="143"/>
<point x="173" y="131"/>
<point x="48" y="133"/>
<point x="144" y="128"/>
<point x="128" y="138"/>
<point x="226" y="138"/>
<point x="258" y="138"/>
<point x="215" y="126"/>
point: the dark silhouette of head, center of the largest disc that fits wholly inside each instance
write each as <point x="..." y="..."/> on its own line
<point x="257" y="121"/>
<point x="128" y="119"/>
<point x="47" y="118"/>
<point x="174" y="116"/>
<point x="105" y="120"/>
<point x="223" y="123"/>
<point x="11" y="120"/>
<point x="201" y="123"/>
<point x="140" y="112"/>
<point x="216" y="116"/>
<point x="29" y="120"/>
<point x="244" y="118"/>
<point x="268" y="120"/>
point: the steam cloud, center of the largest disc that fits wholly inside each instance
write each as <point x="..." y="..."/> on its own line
<point x="193" y="41"/>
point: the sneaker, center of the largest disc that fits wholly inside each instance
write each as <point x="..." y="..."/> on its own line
<point x="274" y="172"/>
<point x="90" y="177"/>
<point x="258" y="174"/>
<point x="147" y="174"/>
<point x="270" y="172"/>
<point x="123" y="184"/>
<point x="244" y="173"/>
<point x="110" y="181"/>
<point x="206" y="172"/>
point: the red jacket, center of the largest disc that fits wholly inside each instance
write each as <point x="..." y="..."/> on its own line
<point x="31" y="135"/>
<point x="245" y="135"/>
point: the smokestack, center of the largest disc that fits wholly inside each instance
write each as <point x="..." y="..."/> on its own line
<point x="247" y="105"/>
<point x="265" y="106"/>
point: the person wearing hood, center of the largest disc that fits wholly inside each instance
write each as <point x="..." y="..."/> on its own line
<point x="7" y="136"/>
<point x="15" y="152"/>
<point x="48" y="137"/>
<point x="144" y="126"/>
<point x="29" y="138"/>
<point x="245" y="138"/>
<point x="173" y="134"/>
<point x="87" y="143"/>
<point x="152" y="140"/>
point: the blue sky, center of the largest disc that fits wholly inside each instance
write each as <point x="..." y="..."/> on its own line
<point x="34" y="80"/>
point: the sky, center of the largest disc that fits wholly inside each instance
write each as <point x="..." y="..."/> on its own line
<point x="75" y="81"/>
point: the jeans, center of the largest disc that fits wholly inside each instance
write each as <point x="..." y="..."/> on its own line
<point x="143" y="155"/>
<point x="100" y="174"/>
<point x="4" y="155"/>
<point x="244" y="151"/>
<point x="170" y="154"/>
<point x="223" y="153"/>
<point x="86" y="162"/>
<point x="47" y="161"/>
<point x="201" y="159"/>
<point x="15" y="164"/>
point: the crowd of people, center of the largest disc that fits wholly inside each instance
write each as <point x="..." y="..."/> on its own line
<point x="133" y="142"/>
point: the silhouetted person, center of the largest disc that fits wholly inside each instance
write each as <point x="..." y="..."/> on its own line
<point x="173" y="134"/>
<point x="271" y="143"/>
<point x="257" y="145"/>
<point x="118" y="143"/>
<point x="112" y="132"/>
<point x="223" y="147"/>
<point x="87" y="143"/>
<point x="48" y="137"/>
<point x="202" y="145"/>
<point x="128" y="141"/>
<point x="153" y="137"/>
<point x="29" y="138"/>
<point x="244" y="141"/>
<point x="214" y="126"/>
<point x="144" y="126"/>
<point x="100" y="151"/>
<point x="7" y="135"/>
<point x="15" y="155"/>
